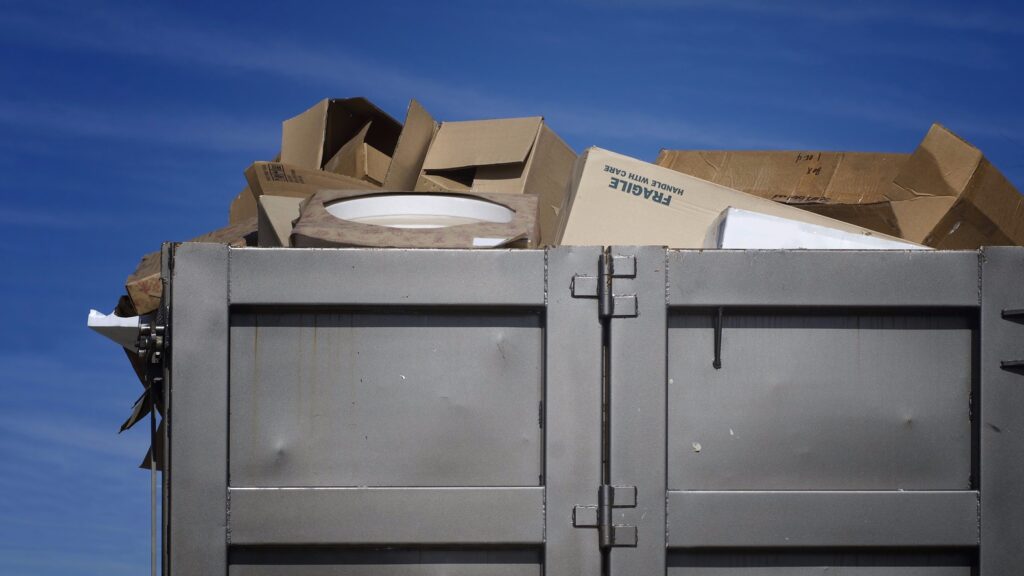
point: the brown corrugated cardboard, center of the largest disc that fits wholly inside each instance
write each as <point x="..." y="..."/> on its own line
<point x="958" y="199"/>
<point x="277" y="214"/>
<point x="242" y="207"/>
<point x="360" y="160"/>
<point x="795" y="177"/>
<point x="144" y="286"/>
<point x="411" y="150"/>
<point x="312" y="138"/>
<point x="512" y="155"/>
<point x="338" y="218"/>
<point x="278" y="179"/>
<point x="615" y="199"/>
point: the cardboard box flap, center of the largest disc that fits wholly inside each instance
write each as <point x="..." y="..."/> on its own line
<point x="411" y="150"/>
<point x="942" y="165"/>
<point x="350" y="159"/>
<point x="278" y="179"/>
<point x="315" y="136"/>
<point x="482" y="143"/>
<point x="277" y="215"/>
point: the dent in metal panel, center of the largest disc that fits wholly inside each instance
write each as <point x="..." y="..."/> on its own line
<point x="827" y="401"/>
<point x="1002" y="414"/>
<point x="385" y="516"/>
<point x="197" y="414"/>
<point x="573" y="413"/>
<point x="386" y="399"/>
<point x="822" y="278"/>
<point x="330" y="276"/>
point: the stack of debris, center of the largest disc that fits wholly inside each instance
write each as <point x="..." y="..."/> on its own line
<point x="350" y="175"/>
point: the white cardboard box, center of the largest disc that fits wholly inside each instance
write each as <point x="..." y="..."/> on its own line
<point x="738" y="229"/>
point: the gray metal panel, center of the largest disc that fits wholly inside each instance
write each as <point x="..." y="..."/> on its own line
<point x="387" y="516"/>
<point x="388" y="562"/>
<point x="827" y="519"/>
<point x="573" y="413"/>
<point x="386" y="398"/>
<point x="637" y="412"/>
<point x="827" y="401"/>
<point x="1002" y="414"/>
<point x="822" y="278"/>
<point x="315" y="276"/>
<point x="197" y="423"/>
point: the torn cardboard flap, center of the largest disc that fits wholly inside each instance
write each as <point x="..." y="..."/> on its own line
<point x="615" y="199"/>
<point x="345" y="218"/>
<point x="144" y="285"/>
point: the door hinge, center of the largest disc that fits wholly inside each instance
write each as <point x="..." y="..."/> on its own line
<point x="609" y="534"/>
<point x="610" y="303"/>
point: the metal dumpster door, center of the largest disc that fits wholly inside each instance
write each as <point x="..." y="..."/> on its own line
<point x="800" y="413"/>
<point x="382" y="412"/>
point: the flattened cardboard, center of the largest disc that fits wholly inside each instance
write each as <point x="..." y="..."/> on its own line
<point x="411" y="150"/>
<point x="615" y="199"/>
<point x="982" y="207"/>
<point x="279" y="179"/>
<point x="510" y="156"/>
<point x="796" y="177"/>
<point x="277" y="214"/>
<point x="144" y="286"/>
<point x="312" y="138"/>
<point x="316" y="227"/>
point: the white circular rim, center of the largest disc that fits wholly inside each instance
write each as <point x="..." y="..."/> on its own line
<point x="419" y="210"/>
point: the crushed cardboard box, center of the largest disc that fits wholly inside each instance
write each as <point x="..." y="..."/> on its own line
<point x="957" y="198"/>
<point x="615" y="199"/>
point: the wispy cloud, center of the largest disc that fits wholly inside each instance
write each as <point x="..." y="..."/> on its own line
<point x="927" y="15"/>
<point x="194" y="129"/>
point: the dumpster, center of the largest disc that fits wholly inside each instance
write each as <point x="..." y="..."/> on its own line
<point x="589" y="410"/>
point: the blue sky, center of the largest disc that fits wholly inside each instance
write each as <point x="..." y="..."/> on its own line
<point x="125" y="125"/>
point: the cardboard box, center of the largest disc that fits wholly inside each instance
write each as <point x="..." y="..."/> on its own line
<point x="354" y="138"/>
<point x="957" y="198"/>
<point x="854" y="187"/>
<point x="277" y="215"/>
<point x="311" y="139"/>
<point x="343" y="218"/>
<point x="144" y="285"/>
<point x="512" y="155"/>
<point x="279" y="179"/>
<point x="738" y="229"/>
<point x="615" y="199"/>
